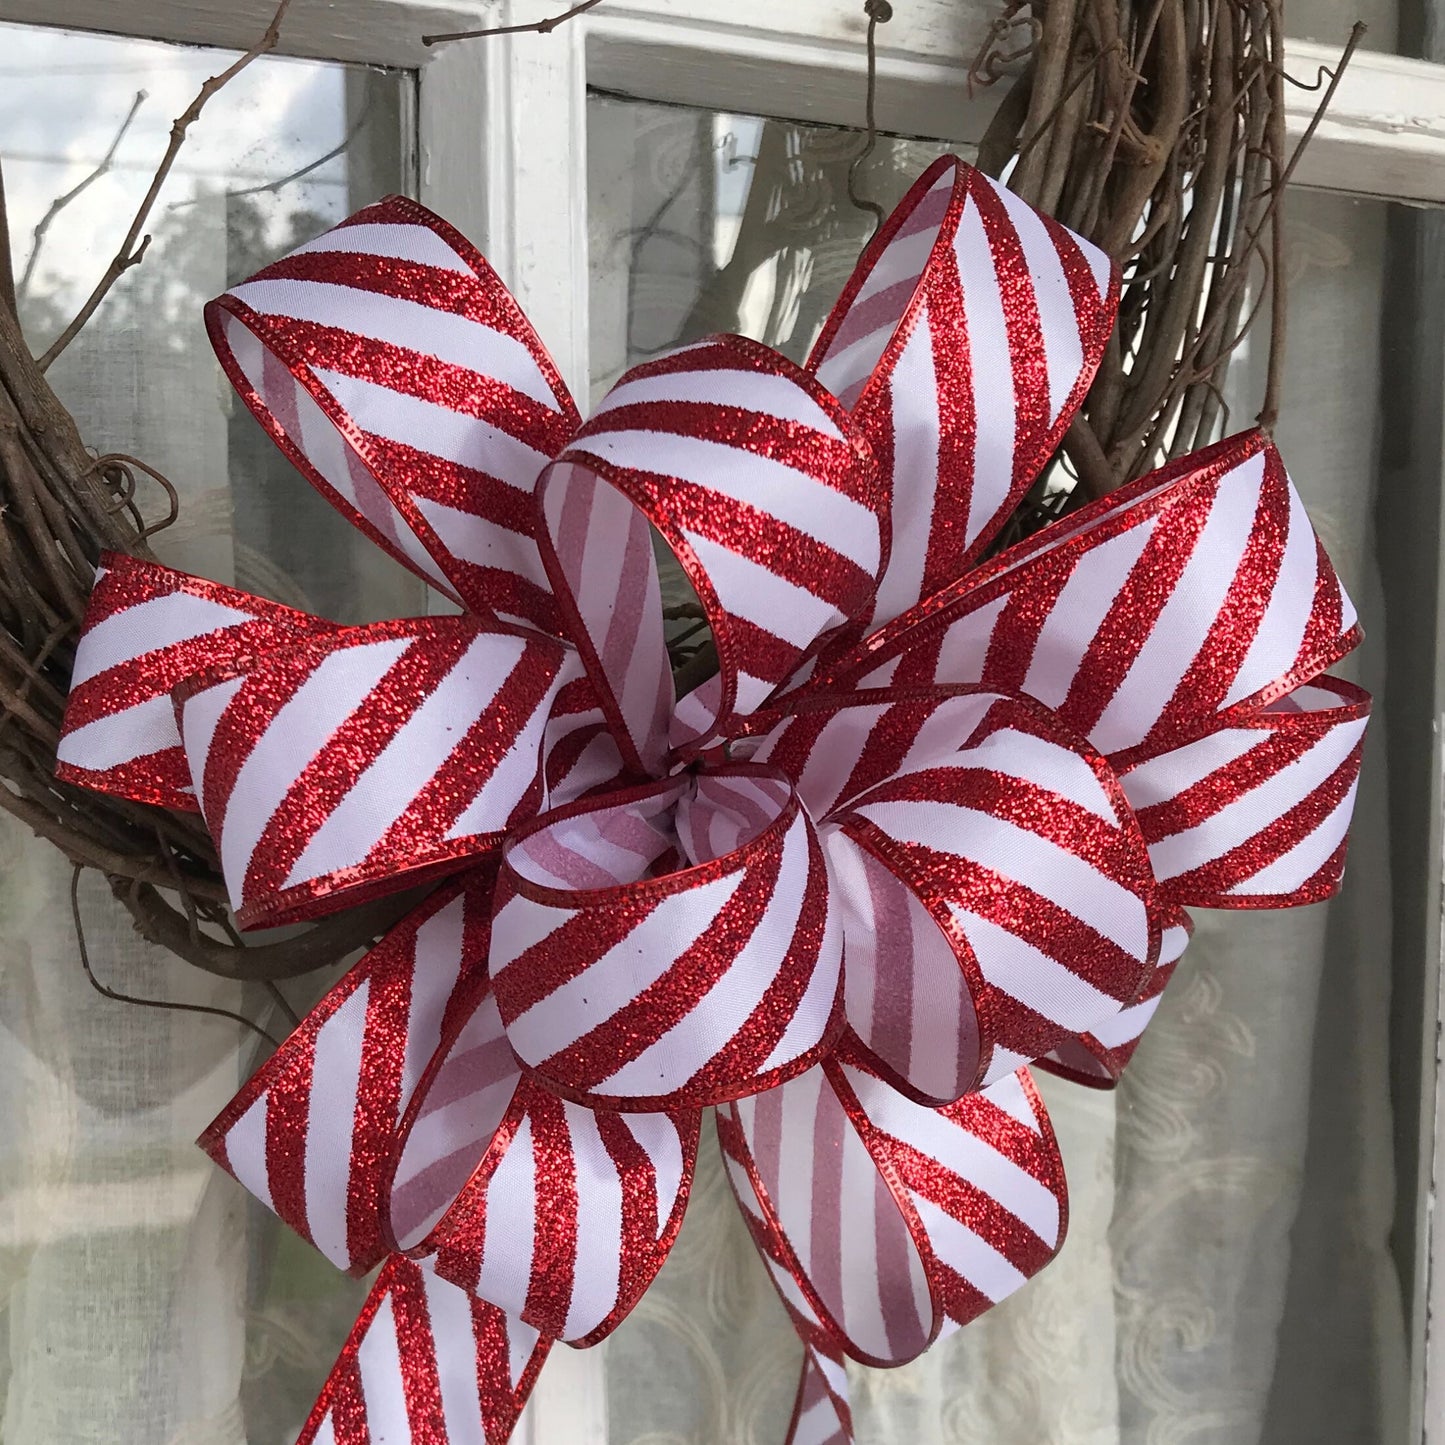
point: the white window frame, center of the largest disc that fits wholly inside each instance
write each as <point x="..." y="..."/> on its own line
<point x="523" y="197"/>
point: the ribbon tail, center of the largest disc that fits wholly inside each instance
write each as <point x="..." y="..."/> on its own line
<point x="310" y="1133"/>
<point x="425" y="1361"/>
<point x="821" y="1413"/>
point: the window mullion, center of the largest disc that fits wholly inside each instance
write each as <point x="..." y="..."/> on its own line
<point x="504" y="157"/>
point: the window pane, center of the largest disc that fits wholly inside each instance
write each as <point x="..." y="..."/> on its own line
<point x="1234" y="1272"/>
<point x="703" y="222"/>
<point x="143" y="1297"/>
<point x="285" y="151"/>
<point x="1393" y="25"/>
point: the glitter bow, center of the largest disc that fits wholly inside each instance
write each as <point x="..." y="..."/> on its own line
<point x="935" y="818"/>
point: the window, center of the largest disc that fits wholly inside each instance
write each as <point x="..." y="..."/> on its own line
<point x="1266" y="1168"/>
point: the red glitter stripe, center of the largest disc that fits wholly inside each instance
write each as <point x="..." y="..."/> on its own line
<point x="1210" y="884"/>
<point x="759" y="1036"/>
<point x="972" y="1206"/>
<point x="243" y="722"/>
<point x="953" y="502"/>
<point x="1133" y="614"/>
<point x="288" y="1114"/>
<point x="128" y="581"/>
<point x="1035" y="918"/>
<point x="747" y="647"/>
<point x="417" y="1352"/>
<point x="1320" y="645"/>
<point x="564" y="954"/>
<point x="1028" y="358"/>
<point x="1015" y="635"/>
<point x="773" y="543"/>
<point x="153" y="674"/>
<point x="1276" y="749"/>
<point x="554" y="1255"/>
<point x="1111" y="849"/>
<point x="641" y="1225"/>
<point x="390" y="969"/>
<point x="962" y="1301"/>
<point x="890" y="739"/>
<point x="795" y="742"/>
<point x="160" y="778"/>
<point x="464" y="489"/>
<point x="349" y="1421"/>
<point x="436" y="287"/>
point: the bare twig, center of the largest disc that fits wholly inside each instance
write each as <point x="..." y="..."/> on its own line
<point x="7" y="272"/>
<point x="133" y="247"/>
<point x="1275" y="194"/>
<point x="533" y="27"/>
<point x="173" y="498"/>
<point x="879" y="12"/>
<point x="37" y="241"/>
<point x="118" y="997"/>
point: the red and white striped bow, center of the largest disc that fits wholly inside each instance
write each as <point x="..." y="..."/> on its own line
<point x="935" y="818"/>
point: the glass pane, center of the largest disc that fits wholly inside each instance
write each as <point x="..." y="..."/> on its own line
<point x="703" y="222"/>
<point x="287" y="150"/>
<point x="143" y="1297"/>
<point x="1235" y="1268"/>
<point x="1394" y="25"/>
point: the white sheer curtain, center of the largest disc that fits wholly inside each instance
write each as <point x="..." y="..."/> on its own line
<point x="1227" y="1278"/>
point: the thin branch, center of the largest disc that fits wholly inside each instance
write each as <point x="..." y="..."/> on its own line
<point x="280" y="1000"/>
<point x="879" y="12"/>
<point x="118" y="997"/>
<point x="133" y="247"/>
<point x="534" y="27"/>
<point x="7" y="272"/>
<point x="319" y="947"/>
<point x="61" y="202"/>
<point x="1357" y="34"/>
<point x="1276" y="193"/>
<point x="1279" y="289"/>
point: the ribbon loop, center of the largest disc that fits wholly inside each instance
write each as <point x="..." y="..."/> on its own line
<point x="368" y="761"/>
<point x="963" y="345"/>
<point x="1256" y="813"/>
<point x="146" y="629"/>
<point x="426" y="1362"/>
<point x="754" y="476"/>
<point x="838" y="1231"/>
<point x="980" y="1181"/>
<point x="672" y="946"/>
<point x="919" y="1219"/>
<point x="1011" y="838"/>
<point x="1140" y="619"/>
<point x="397" y="374"/>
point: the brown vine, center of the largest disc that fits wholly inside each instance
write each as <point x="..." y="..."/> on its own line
<point x="1158" y="131"/>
